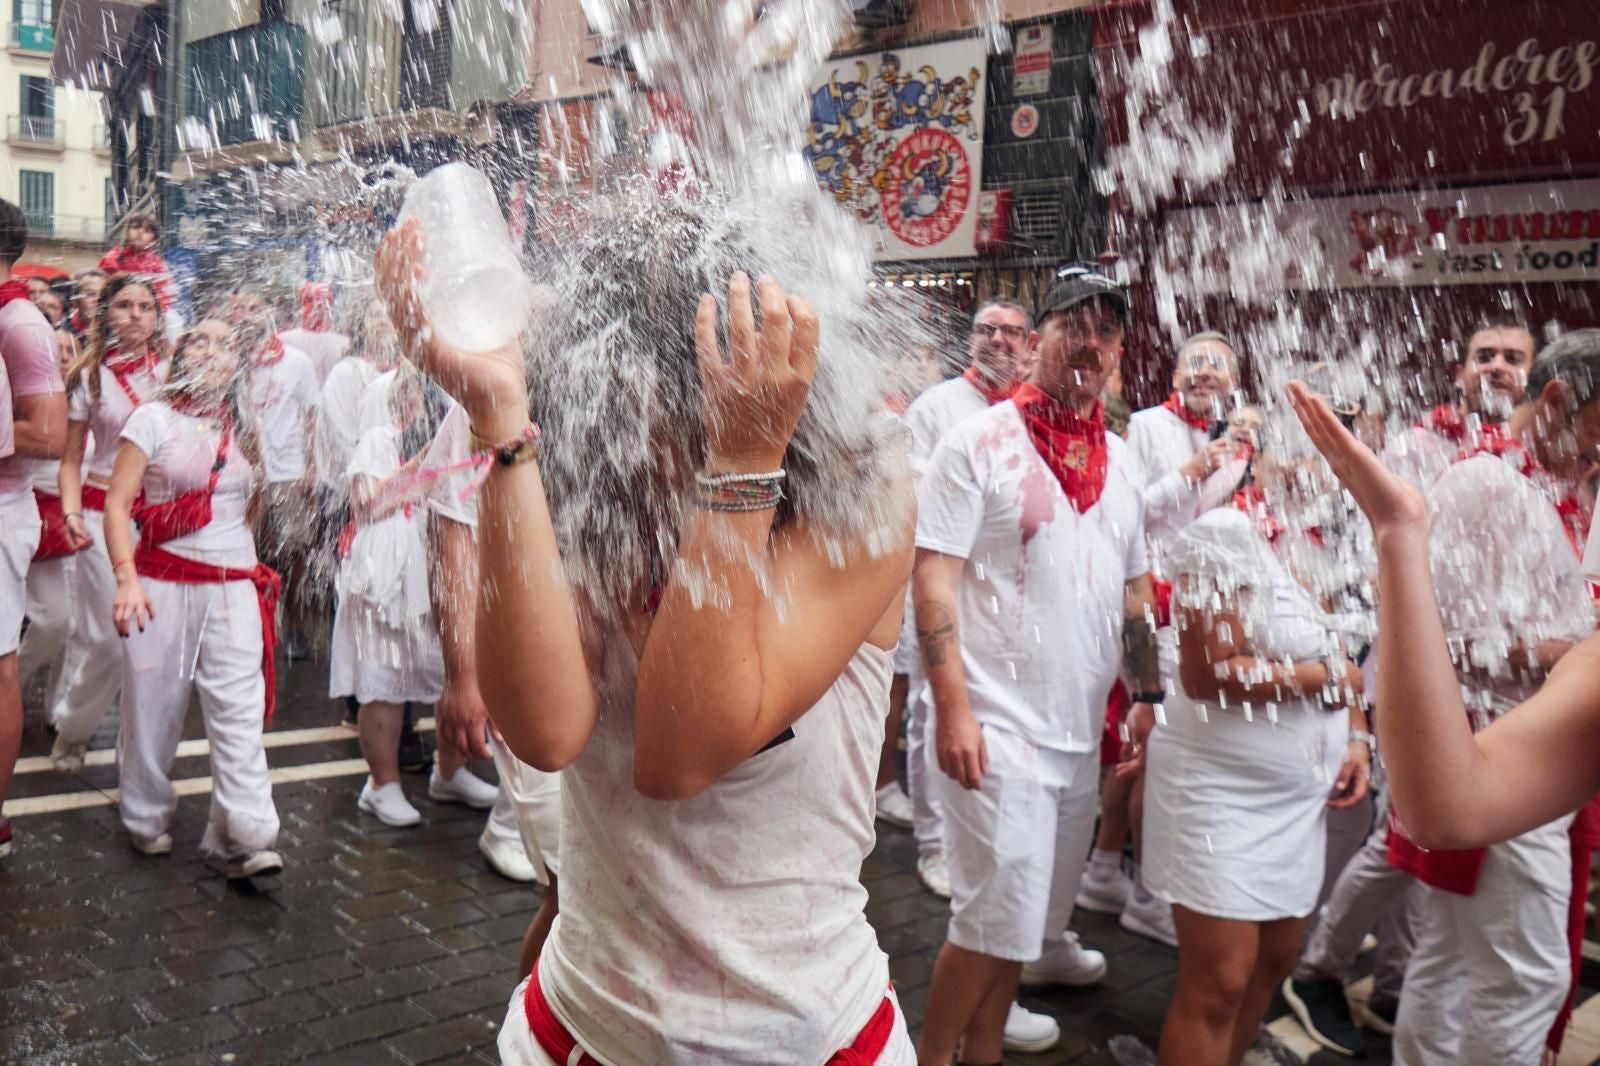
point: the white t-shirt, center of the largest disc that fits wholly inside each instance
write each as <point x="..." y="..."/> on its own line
<point x="937" y="411"/>
<point x="388" y="562"/>
<point x="1420" y="455"/>
<point x="1591" y="554"/>
<point x="1161" y="442"/>
<point x="8" y="430"/>
<point x="1041" y="597"/>
<point x="453" y="495"/>
<point x="182" y="450"/>
<point x="281" y="393"/>
<point x="338" y="421"/>
<point x="324" y="347"/>
<point x="32" y="368"/>
<point x="1504" y="571"/>
<point x="106" y="417"/>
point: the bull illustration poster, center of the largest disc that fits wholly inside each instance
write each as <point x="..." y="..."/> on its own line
<point x="896" y="138"/>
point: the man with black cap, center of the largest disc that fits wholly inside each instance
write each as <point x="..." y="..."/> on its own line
<point x="1030" y="552"/>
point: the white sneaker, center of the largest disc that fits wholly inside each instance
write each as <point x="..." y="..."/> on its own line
<point x="465" y="787"/>
<point x="894" y="806"/>
<point x="1149" y="917"/>
<point x="1103" y="895"/>
<point x="253" y="864"/>
<point x="1066" y="962"/>
<point x="508" y="858"/>
<point x="161" y="845"/>
<point x="1027" y="1031"/>
<point x="66" y="757"/>
<point x="389" y="805"/>
<point x="935" y="875"/>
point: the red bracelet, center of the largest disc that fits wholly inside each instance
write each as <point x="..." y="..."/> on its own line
<point x="518" y="449"/>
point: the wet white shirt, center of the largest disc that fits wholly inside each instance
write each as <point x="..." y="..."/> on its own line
<point x="106" y="417"/>
<point x="1160" y="443"/>
<point x="182" y="450"/>
<point x="338" y="421"/>
<point x="281" y="393"/>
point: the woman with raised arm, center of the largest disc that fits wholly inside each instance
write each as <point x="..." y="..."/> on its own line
<point x="697" y="624"/>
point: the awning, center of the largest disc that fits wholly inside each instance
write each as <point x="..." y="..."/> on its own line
<point x="38" y="270"/>
<point x="91" y="36"/>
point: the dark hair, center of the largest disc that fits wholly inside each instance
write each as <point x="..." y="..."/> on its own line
<point x="1573" y="359"/>
<point x="13" y="232"/>
<point x="1496" y="321"/>
<point x="138" y="219"/>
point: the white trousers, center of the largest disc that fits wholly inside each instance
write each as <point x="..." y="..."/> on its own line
<point x="19" y="539"/>
<point x="52" y="595"/>
<point x="93" y="666"/>
<point x="1491" y="970"/>
<point x="528" y="810"/>
<point x="205" y="636"/>
<point x="922" y="768"/>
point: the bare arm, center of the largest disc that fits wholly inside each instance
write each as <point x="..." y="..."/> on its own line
<point x="373" y="500"/>
<point x="531" y="662"/>
<point x="1141" y="663"/>
<point x="452" y="593"/>
<point x="130" y="606"/>
<point x="1215" y="661"/>
<point x="962" y="753"/>
<point x="39" y="425"/>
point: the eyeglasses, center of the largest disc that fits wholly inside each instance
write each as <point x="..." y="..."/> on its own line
<point x="989" y="329"/>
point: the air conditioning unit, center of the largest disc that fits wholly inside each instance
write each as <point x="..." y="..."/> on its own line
<point x="876" y="14"/>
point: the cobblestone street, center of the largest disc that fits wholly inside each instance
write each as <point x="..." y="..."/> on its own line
<point x="378" y="946"/>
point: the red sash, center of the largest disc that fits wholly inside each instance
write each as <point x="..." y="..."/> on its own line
<point x="1446" y="421"/>
<point x="53" y="542"/>
<point x="1073" y="447"/>
<point x="272" y="353"/>
<point x="161" y="565"/>
<point x="182" y="515"/>
<point x="1452" y="871"/>
<point x="94" y="497"/>
<point x="554" y="1039"/>
<point x="1175" y="404"/>
<point x="978" y="380"/>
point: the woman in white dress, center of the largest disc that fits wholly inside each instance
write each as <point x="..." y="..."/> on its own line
<point x="385" y="649"/>
<point x="1256" y="746"/>
<point x="705" y="655"/>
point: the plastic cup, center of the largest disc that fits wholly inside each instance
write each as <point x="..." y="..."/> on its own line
<point x="473" y="288"/>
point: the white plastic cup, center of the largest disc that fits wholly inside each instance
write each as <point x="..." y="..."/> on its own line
<point x="473" y="288"/>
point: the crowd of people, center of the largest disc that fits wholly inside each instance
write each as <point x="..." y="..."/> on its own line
<point x="1142" y="672"/>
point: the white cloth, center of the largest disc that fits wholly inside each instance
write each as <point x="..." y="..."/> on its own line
<point x="1591" y="555"/>
<point x="323" y="347"/>
<point x="106" y="417"/>
<point x="281" y="394"/>
<point x="517" y="1047"/>
<point x="453" y="495"/>
<point x="729" y="927"/>
<point x="1419" y="455"/>
<point x="387" y="567"/>
<point x="1490" y="971"/>
<point x="1016" y="846"/>
<point x="1161" y="442"/>
<point x="528" y="810"/>
<point x="19" y="517"/>
<point x="93" y="664"/>
<point x="205" y="636"/>
<point x="374" y="661"/>
<point x="1235" y="801"/>
<point x="181" y="450"/>
<point x="1041" y="597"/>
<point x="52" y="591"/>
<point x="45" y="475"/>
<point x="338" y="424"/>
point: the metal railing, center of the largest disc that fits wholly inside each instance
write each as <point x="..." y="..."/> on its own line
<point x="247" y="84"/>
<point x="32" y="37"/>
<point x="90" y="229"/>
<point x="35" y="129"/>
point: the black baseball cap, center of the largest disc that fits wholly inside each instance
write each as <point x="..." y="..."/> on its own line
<point x="1078" y="283"/>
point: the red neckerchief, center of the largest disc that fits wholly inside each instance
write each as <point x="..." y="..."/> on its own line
<point x="184" y="403"/>
<point x="976" y="378"/>
<point x="1446" y="421"/>
<point x="1072" y="446"/>
<point x="122" y="368"/>
<point x="1175" y="404"/>
<point x="13" y="290"/>
<point x="1494" y="440"/>
<point x="1253" y="502"/>
<point x="272" y="353"/>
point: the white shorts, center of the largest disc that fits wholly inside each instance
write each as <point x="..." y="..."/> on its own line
<point x="1016" y="847"/>
<point x="536" y="799"/>
<point x="19" y="517"/>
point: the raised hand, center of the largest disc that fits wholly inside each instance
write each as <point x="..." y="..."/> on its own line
<point x="752" y="399"/>
<point x="1388" y="500"/>
<point x="491" y="386"/>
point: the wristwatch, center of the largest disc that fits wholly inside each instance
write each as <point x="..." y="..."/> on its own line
<point x="1366" y="738"/>
<point x="1157" y="696"/>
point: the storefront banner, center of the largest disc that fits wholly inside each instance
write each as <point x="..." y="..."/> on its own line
<point x="1489" y="235"/>
<point x="896" y="138"/>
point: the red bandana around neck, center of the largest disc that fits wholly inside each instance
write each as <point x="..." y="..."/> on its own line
<point x="984" y="384"/>
<point x="124" y="366"/>
<point x="1175" y="404"/>
<point x="1494" y="440"/>
<point x="185" y="403"/>
<point x="12" y="290"/>
<point x="1072" y="446"/>
<point x="272" y="353"/>
<point x="1446" y="421"/>
<point x="1253" y="502"/>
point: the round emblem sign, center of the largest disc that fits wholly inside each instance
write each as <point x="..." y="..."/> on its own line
<point x="1025" y="122"/>
<point x="929" y="185"/>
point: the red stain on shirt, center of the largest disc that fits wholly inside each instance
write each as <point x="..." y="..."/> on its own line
<point x="1037" y="491"/>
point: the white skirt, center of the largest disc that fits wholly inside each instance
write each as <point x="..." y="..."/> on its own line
<point x="376" y="662"/>
<point x="1235" y="810"/>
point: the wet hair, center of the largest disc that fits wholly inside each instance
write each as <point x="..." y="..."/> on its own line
<point x="13" y="232"/>
<point x="1005" y="303"/>
<point x="1488" y="322"/>
<point x="178" y="372"/>
<point x="1573" y="359"/>
<point x="87" y="368"/>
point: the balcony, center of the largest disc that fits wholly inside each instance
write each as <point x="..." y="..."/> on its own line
<point x="102" y="140"/>
<point x="34" y="38"/>
<point x="77" y="229"/>
<point x="381" y="68"/>
<point x="247" y="85"/>
<point x="36" y="131"/>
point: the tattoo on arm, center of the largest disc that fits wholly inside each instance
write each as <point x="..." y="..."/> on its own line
<point x="936" y="632"/>
<point x="1140" y="661"/>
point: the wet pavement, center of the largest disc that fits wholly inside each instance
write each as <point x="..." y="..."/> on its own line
<point x="378" y="945"/>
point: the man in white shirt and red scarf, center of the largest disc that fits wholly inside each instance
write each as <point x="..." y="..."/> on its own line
<point x="1030" y="560"/>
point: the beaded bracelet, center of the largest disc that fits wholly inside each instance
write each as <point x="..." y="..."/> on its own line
<point x="739" y="492"/>
<point x="522" y="448"/>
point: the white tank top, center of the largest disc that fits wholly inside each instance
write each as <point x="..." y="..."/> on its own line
<point x="728" y="928"/>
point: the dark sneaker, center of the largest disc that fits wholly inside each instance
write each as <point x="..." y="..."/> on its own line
<point x="1379" y="1017"/>
<point x="416" y="755"/>
<point x="1324" y="1014"/>
<point x="5" y="837"/>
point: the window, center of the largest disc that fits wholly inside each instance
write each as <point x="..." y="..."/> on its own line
<point x="38" y="97"/>
<point x="39" y="200"/>
<point x="31" y="12"/>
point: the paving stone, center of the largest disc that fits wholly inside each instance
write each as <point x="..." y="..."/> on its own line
<point x="461" y="938"/>
<point x="369" y="1023"/>
<point x="191" y="1034"/>
<point x="57" y="917"/>
<point x="275" y="1012"/>
<point x="442" y="1040"/>
<point x="377" y="987"/>
<point x="436" y="892"/>
<point x="143" y="980"/>
<point x="464" y="967"/>
<point x="365" y="907"/>
<point x="106" y="1020"/>
<point x="208" y="964"/>
<point x="186" y="1000"/>
<point x="446" y="915"/>
<point x="308" y="974"/>
<point x="491" y="990"/>
<point x="377" y="930"/>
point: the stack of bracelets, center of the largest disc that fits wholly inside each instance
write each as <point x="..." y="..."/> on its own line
<point x="739" y="492"/>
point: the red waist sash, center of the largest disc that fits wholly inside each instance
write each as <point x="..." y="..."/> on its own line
<point x="1452" y="871"/>
<point x="554" y="1039"/>
<point x="53" y="543"/>
<point x="161" y="565"/>
<point x="94" y="498"/>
